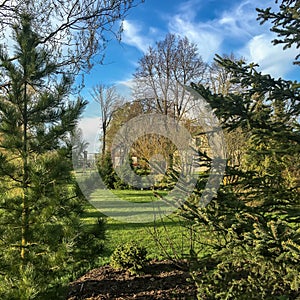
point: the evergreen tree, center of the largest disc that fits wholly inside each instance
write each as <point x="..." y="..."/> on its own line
<point x="106" y="170"/>
<point x="253" y="223"/>
<point x="39" y="208"/>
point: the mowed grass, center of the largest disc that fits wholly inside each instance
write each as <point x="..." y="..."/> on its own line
<point x="165" y="237"/>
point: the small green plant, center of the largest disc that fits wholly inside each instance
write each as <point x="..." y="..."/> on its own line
<point x="129" y="256"/>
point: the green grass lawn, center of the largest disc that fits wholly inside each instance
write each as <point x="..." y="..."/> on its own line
<point x="170" y="232"/>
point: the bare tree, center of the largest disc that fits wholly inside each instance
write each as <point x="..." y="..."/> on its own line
<point x="220" y="80"/>
<point x="109" y="101"/>
<point x="74" y="30"/>
<point x="163" y="71"/>
<point x="221" y="83"/>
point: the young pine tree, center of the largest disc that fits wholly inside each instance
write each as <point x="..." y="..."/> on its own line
<point x="39" y="208"/>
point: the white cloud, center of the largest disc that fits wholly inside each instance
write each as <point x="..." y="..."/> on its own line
<point x="236" y="27"/>
<point x="207" y="39"/>
<point x="126" y="83"/>
<point x="240" y="21"/>
<point x="237" y="24"/>
<point x="124" y="88"/>
<point x="272" y="59"/>
<point x="133" y="35"/>
<point x="188" y="9"/>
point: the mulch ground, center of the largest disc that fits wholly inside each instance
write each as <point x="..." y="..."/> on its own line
<point x="160" y="280"/>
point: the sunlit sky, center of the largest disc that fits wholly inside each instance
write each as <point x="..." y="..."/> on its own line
<point x="215" y="26"/>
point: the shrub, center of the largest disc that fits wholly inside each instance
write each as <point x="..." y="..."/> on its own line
<point x="168" y="181"/>
<point x="129" y="256"/>
<point x="106" y="171"/>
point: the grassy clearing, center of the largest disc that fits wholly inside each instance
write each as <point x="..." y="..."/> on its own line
<point x="171" y="232"/>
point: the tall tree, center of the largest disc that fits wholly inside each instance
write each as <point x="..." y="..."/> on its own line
<point x="161" y="76"/>
<point x="220" y="79"/>
<point x="164" y="70"/>
<point x="109" y="101"/>
<point x="39" y="205"/>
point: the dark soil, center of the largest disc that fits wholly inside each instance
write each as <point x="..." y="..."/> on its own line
<point x="160" y="280"/>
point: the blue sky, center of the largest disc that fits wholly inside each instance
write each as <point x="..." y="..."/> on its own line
<point x="215" y="26"/>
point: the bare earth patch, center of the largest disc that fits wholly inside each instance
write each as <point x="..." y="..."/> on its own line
<point x="160" y="280"/>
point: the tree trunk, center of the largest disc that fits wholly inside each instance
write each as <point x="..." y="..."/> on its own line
<point x="103" y="141"/>
<point x="25" y="210"/>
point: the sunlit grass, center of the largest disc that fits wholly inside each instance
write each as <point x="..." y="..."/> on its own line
<point x="166" y="236"/>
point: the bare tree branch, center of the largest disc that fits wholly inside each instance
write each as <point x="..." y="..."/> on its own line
<point x="164" y="70"/>
<point x="75" y="31"/>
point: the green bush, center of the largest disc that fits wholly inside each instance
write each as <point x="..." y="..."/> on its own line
<point x="259" y="264"/>
<point x="168" y="181"/>
<point x="129" y="256"/>
<point x="106" y="171"/>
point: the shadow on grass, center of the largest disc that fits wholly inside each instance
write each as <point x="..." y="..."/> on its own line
<point x="111" y="224"/>
<point x="128" y="226"/>
<point x="93" y="214"/>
